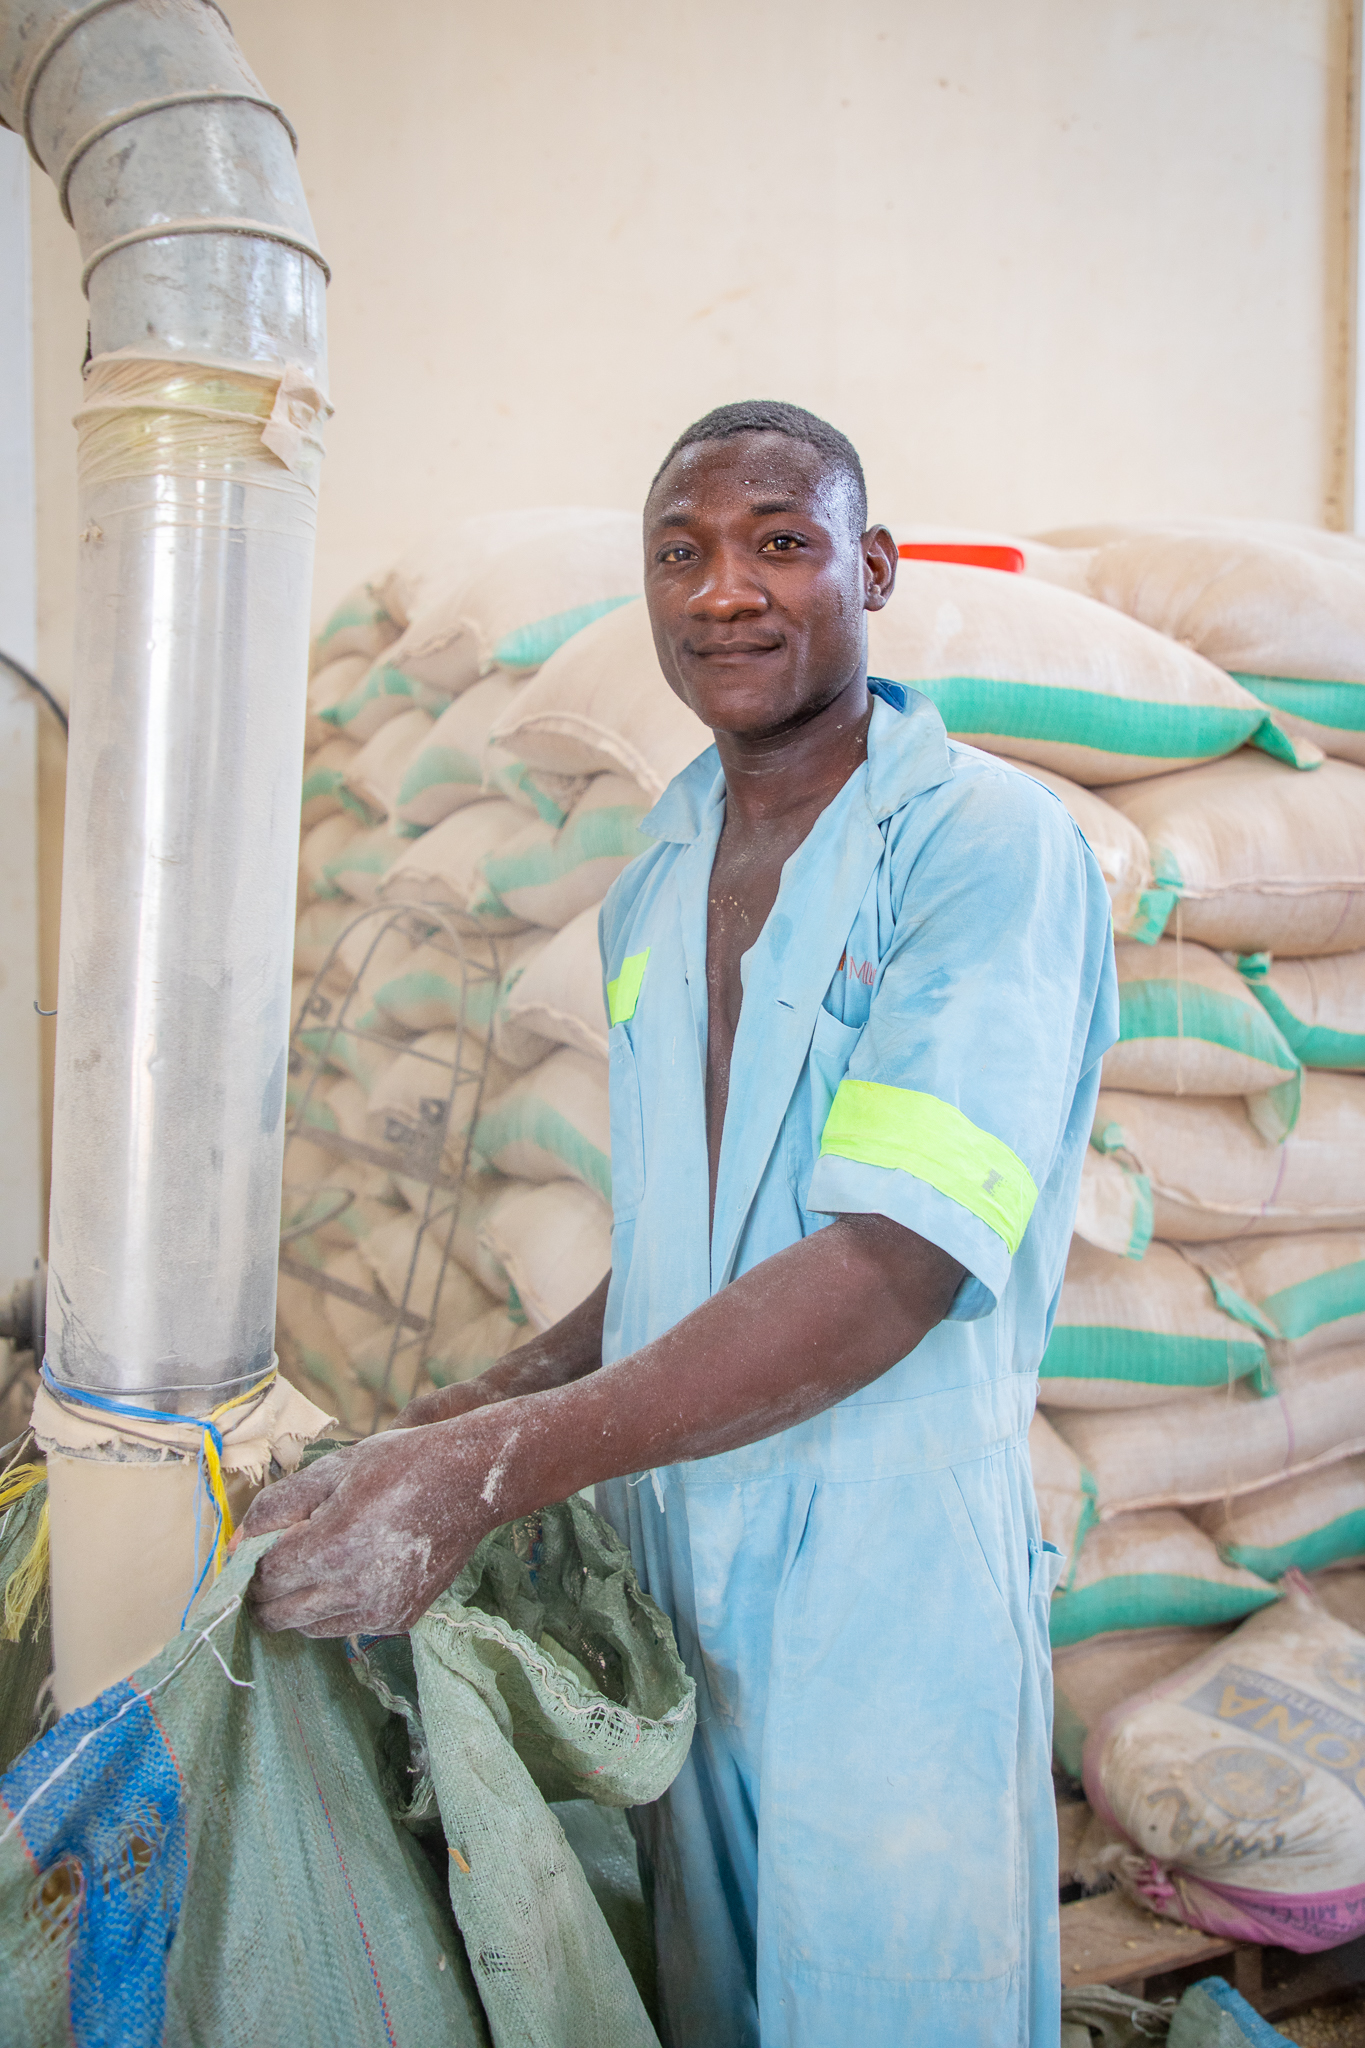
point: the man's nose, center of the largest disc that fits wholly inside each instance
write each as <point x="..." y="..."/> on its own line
<point x="728" y="588"/>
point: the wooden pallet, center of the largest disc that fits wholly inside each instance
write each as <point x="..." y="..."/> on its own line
<point x="1109" y="1939"/>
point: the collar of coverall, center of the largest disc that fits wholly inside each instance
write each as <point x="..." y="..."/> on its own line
<point x="907" y="753"/>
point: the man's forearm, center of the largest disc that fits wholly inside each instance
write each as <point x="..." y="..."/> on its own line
<point x="572" y="1347"/>
<point x="787" y="1340"/>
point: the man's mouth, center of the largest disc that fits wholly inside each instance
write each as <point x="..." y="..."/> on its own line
<point x="732" y="650"/>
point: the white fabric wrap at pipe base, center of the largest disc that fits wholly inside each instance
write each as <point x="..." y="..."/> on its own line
<point x="108" y="1474"/>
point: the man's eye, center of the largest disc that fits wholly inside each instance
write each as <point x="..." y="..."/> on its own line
<point x="781" y="544"/>
<point x="680" y="553"/>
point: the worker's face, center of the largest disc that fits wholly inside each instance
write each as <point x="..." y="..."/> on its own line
<point x="756" y="582"/>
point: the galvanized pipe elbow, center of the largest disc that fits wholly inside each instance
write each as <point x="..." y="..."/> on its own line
<point x="198" y="456"/>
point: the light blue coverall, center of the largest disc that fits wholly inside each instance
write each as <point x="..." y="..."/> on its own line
<point x="861" y="1847"/>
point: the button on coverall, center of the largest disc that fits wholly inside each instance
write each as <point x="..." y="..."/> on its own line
<point x="861" y="1846"/>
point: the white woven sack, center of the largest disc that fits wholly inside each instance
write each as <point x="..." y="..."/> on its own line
<point x="1050" y="564"/>
<point x="1190" y="1026"/>
<point x="1308" y="1290"/>
<point x="1114" y="1206"/>
<point x="408" y="1259"/>
<point x="601" y="704"/>
<point x="378" y="768"/>
<point x="317" y="930"/>
<point x="359" y="869"/>
<point x="552" y="1123"/>
<point x="310" y="1352"/>
<point x="1289" y="624"/>
<point x="1215" y="1445"/>
<point x="546" y="876"/>
<point x="1032" y="671"/>
<point x="1317" y="1005"/>
<point x="1304" y="1524"/>
<point x="446" y="770"/>
<point x="1156" y="1570"/>
<point x="518" y="604"/>
<point x="464" y="1354"/>
<point x="1237" y="1781"/>
<point x="1136" y="1335"/>
<point x="440" y="560"/>
<point x="1261" y="858"/>
<point x="419" y="1114"/>
<point x="1065" y="1495"/>
<point x="556" y="998"/>
<point x="444" y="866"/>
<point x="1213" y="1176"/>
<point x="321" y="844"/>
<point x="1139" y="909"/>
<point x="324" y="782"/>
<point x="330" y="684"/>
<point x="1316" y="540"/>
<point x="1092" y="1677"/>
<point x="358" y="627"/>
<point x="554" y="1244"/>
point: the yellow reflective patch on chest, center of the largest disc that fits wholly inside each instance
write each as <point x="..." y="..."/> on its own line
<point x="624" y="993"/>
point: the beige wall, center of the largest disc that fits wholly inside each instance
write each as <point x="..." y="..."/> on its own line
<point x="1042" y="259"/>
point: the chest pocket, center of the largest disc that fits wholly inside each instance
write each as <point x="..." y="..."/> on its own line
<point x="627" y="1127"/>
<point x="831" y="1050"/>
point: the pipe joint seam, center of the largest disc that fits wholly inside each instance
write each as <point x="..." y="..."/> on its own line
<point x="47" y="51"/>
<point x="161" y="230"/>
<point x="192" y="97"/>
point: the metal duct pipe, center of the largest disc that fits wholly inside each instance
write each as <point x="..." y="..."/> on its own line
<point x="198" y="452"/>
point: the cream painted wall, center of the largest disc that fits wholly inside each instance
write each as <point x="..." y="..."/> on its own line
<point x="1042" y="259"/>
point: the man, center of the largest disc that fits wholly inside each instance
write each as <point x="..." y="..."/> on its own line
<point x="859" y="989"/>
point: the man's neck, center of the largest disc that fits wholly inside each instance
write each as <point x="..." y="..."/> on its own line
<point x="800" y="768"/>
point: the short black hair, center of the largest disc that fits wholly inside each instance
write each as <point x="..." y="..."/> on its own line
<point x="774" y="416"/>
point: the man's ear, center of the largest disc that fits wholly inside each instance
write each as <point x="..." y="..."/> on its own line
<point x="880" y="562"/>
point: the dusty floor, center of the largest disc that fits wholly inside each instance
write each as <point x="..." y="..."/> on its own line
<point x="1339" y="2025"/>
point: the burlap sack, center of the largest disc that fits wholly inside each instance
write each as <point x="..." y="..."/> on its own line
<point x="553" y="1242"/>
<point x="1317" y="1005"/>
<point x="1133" y="1335"/>
<point x="1027" y="669"/>
<point x="555" y="998"/>
<point x="1212" y="1175"/>
<point x="1217" y="1445"/>
<point x="1261" y="859"/>
<point x="1303" y="1524"/>
<point x="1188" y="1025"/>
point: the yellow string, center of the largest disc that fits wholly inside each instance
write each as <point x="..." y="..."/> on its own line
<point x="27" y="1583"/>
<point x="19" y="1480"/>
<point x="213" y="1469"/>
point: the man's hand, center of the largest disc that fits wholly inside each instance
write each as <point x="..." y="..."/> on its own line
<point x="371" y="1534"/>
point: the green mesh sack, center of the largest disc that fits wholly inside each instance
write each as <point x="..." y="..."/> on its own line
<point x="263" y="1839"/>
<point x="25" y="1631"/>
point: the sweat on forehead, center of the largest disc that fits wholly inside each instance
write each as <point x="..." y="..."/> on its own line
<point x="837" y="457"/>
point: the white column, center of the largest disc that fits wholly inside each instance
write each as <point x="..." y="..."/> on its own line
<point x="20" y="1171"/>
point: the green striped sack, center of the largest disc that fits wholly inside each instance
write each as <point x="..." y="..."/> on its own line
<point x="1305" y="1292"/>
<point x="1188" y="1025"/>
<point x="1129" y="1335"/>
<point x="1028" y="669"/>
<point x="546" y="877"/>
<point x="359" y="624"/>
<point x="447" y="769"/>
<point x="1318" y="1006"/>
<point x="1152" y="1570"/>
<point x="1305" y="1524"/>
<point x="553" y="1123"/>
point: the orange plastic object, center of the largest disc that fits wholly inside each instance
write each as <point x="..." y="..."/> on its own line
<point x="974" y="556"/>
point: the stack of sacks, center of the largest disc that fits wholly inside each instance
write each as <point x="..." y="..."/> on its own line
<point x="470" y="998"/>
<point x="1201" y="1430"/>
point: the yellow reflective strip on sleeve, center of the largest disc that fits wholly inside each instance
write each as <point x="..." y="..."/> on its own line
<point x="881" y="1126"/>
<point x="624" y="993"/>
